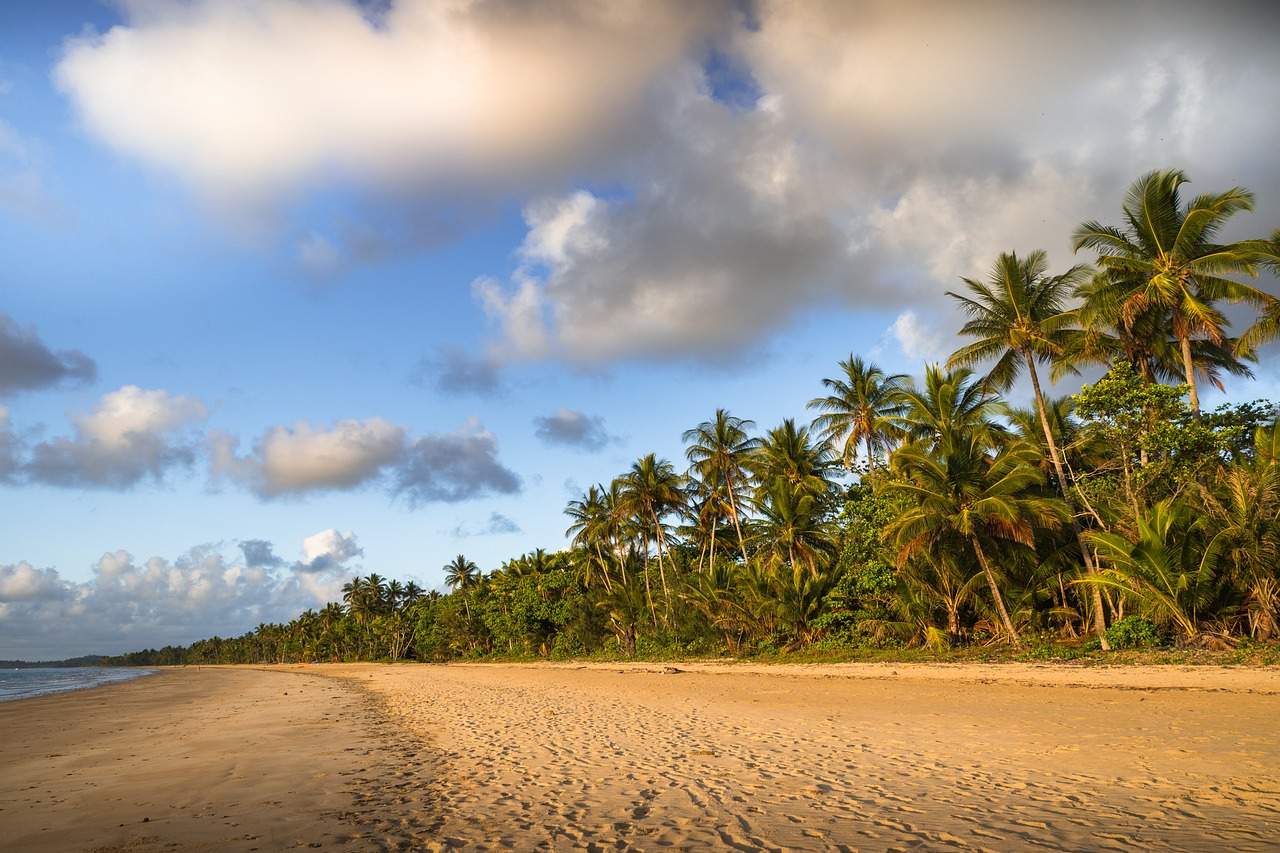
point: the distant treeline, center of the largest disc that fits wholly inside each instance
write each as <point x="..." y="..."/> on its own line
<point x="86" y="660"/>
<point x="922" y="511"/>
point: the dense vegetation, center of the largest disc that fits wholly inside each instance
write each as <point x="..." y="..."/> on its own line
<point x="924" y="512"/>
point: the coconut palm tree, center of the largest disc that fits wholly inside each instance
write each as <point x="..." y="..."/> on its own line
<point x="789" y="453"/>
<point x="959" y="492"/>
<point x="950" y="404"/>
<point x="719" y="452"/>
<point x="1018" y="318"/>
<point x="652" y="489"/>
<point x="1167" y="255"/>
<point x="859" y="410"/>
<point x="790" y="531"/>
<point x="1267" y="327"/>
<point x="460" y="575"/>
<point x="590" y="526"/>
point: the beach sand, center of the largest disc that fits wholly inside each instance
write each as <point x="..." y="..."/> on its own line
<point x="746" y="757"/>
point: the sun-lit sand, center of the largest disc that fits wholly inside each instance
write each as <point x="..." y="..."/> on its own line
<point x="869" y="757"/>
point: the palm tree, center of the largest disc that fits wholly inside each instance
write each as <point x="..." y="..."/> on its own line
<point x="789" y="453"/>
<point x="590" y="526"/>
<point x="1168" y="571"/>
<point x="959" y="492"/>
<point x="720" y="451"/>
<point x="1267" y="326"/>
<point x="951" y="404"/>
<point x="651" y="489"/>
<point x="460" y="574"/>
<point x="791" y="531"/>
<point x="1165" y="251"/>
<point x="1018" y="318"/>
<point x="859" y="410"/>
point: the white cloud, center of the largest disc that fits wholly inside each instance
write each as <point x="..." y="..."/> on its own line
<point x="132" y="434"/>
<point x="328" y="551"/>
<point x="302" y="458"/>
<point x="293" y="461"/>
<point x="918" y="341"/>
<point x="245" y="99"/>
<point x="130" y="604"/>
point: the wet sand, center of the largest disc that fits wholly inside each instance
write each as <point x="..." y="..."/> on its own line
<point x="865" y="757"/>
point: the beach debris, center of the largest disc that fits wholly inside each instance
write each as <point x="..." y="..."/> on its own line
<point x="671" y="670"/>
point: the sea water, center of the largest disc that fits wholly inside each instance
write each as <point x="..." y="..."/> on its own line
<point x="37" y="681"/>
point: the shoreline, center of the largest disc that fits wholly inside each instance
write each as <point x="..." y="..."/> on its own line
<point x="642" y="755"/>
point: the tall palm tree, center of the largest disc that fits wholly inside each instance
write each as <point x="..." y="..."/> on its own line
<point x="1018" y="318"/>
<point x="1166" y="252"/>
<point x="651" y="489"/>
<point x="958" y="491"/>
<point x="590" y="527"/>
<point x="859" y="410"/>
<point x="460" y="574"/>
<point x="720" y="451"/>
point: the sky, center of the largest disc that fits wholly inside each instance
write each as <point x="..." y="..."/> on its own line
<point x="294" y="289"/>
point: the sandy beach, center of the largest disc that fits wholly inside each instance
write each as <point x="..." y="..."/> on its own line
<point x="855" y="757"/>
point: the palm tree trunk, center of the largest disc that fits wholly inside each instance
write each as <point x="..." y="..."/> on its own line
<point x="604" y="569"/>
<point x="1188" y="367"/>
<point x="871" y="459"/>
<point x="648" y="593"/>
<point x="662" y="572"/>
<point x="733" y="509"/>
<point x="711" y="557"/>
<point x="1099" y="621"/>
<point x="995" y="593"/>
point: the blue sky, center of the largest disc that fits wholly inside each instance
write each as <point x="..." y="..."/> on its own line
<point x="261" y="216"/>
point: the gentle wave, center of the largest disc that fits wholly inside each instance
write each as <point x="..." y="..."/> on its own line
<point x="39" y="681"/>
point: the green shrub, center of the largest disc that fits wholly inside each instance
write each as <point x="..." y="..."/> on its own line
<point x="1135" y="632"/>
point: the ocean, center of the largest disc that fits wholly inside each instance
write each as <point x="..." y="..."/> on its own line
<point x="22" y="683"/>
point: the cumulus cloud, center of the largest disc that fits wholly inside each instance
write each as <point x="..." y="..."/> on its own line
<point x="243" y="100"/>
<point x="259" y="553"/>
<point x="918" y="341"/>
<point x="302" y="458"/>
<point x="497" y="525"/>
<point x="129" y="604"/>
<point x="456" y="466"/>
<point x="131" y="435"/>
<point x="298" y="460"/>
<point x="24" y="582"/>
<point x="570" y="428"/>
<point x="27" y="363"/>
<point x="328" y="551"/>
<point x="454" y="371"/>
<point x="833" y="169"/>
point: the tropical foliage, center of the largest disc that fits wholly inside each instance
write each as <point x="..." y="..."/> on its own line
<point x="928" y="511"/>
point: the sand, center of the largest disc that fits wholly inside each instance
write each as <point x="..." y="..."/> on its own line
<point x="866" y="757"/>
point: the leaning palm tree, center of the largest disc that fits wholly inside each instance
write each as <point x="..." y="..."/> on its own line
<point x="1018" y="318"/>
<point x="959" y="492"/>
<point x="1167" y="254"/>
<point x="719" y="451"/>
<point x="859" y="410"/>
